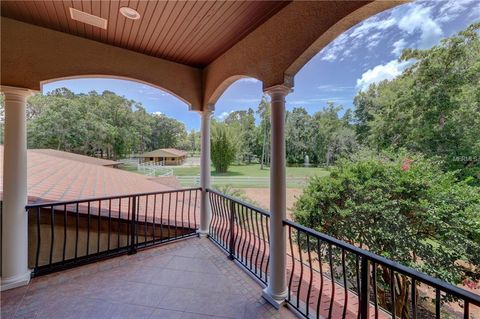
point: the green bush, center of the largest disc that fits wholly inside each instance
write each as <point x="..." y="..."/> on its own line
<point x="400" y="206"/>
<point x="223" y="148"/>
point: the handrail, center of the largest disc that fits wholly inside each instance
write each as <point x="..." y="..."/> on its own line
<point x="67" y="234"/>
<point x="317" y="267"/>
<point x="242" y="230"/>
<point x="419" y="276"/>
<point x="85" y="200"/>
<point x="241" y="202"/>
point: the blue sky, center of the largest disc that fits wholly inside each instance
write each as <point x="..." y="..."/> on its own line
<point x="365" y="54"/>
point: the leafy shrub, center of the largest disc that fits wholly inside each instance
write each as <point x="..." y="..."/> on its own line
<point x="403" y="207"/>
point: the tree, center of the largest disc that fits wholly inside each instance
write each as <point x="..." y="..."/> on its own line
<point x="332" y="137"/>
<point x="264" y="130"/>
<point x="242" y="125"/>
<point x="167" y="132"/>
<point x="402" y="207"/>
<point x="223" y="148"/>
<point x="298" y="135"/>
<point x="433" y="107"/>
<point x="58" y="126"/>
<point x="104" y="124"/>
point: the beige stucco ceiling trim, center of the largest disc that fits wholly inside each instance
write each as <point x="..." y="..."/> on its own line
<point x="32" y="55"/>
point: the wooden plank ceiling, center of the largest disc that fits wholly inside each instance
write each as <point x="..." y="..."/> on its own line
<point x="189" y="32"/>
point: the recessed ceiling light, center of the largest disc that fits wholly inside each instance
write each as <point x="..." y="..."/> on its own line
<point x="130" y="13"/>
<point x="88" y="18"/>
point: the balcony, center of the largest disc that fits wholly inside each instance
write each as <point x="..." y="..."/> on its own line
<point x="189" y="278"/>
<point x="161" y="269"/>
<point x="138" y="255"/>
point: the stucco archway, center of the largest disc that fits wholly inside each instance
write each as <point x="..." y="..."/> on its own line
<point x="224" y="86"/>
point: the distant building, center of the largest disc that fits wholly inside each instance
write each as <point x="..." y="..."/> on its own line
<point x="164" y="156"/>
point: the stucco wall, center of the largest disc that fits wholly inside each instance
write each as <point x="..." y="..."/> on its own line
<point x="275" y="51"/>
<point x="31" y="54"/>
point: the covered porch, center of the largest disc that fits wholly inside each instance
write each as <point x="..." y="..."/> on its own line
<point x="193" y="50"/>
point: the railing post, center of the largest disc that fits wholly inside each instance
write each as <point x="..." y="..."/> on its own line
<point x="364" y="288"/>
<point x="232" y="231"/>
<point x="133" y="226"/>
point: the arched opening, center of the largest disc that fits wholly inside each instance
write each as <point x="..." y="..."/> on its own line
<point x="113" y="119"/>
<point x="380" y="99"/>
<point x="126" y="79"/>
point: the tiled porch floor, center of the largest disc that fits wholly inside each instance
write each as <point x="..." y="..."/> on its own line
<point x="187" y="279"/>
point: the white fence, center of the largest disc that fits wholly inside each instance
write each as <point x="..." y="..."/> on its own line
<point x="154" y="169"/>
<point x="239" y="181"/>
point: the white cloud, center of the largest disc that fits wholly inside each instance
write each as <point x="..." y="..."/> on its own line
<point x="450" y="10"/>
<point x="246" y="100"/>
<point x="317" y="100"/>
<point x="249" y="80"/>
<point x="475" y="13"/>
<point x="334" y="88"/>
<point x="371" y="24"/>
<point x="382" y="72"/>
<point x="223" y="115"/>
<point x="419" y="18"/>
<point x="398" y="46"/>
<point x="157" y="113"/>
<point x="334" y="49"/>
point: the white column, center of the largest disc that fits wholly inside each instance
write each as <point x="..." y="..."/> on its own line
<point x="15" y="270"/>
<point x="205" y="212"/>
<point x="276" y="292"/>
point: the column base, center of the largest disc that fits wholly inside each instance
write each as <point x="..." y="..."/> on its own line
<point x="14" y="282"/>
<point x="276" y="300"/>
<point x="202" y="233"/>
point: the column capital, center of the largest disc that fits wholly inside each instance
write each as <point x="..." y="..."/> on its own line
<point x="280" y="89"/>
<point x="209" y="108"/>
<point x="13" y="93"/>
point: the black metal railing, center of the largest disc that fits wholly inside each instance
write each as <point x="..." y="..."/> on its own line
<point x="328" y="278"/>
<point x="71" y="233"/>
<point x="242" y="230"/>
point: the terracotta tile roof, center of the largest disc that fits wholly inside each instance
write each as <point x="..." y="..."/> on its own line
<point x="76" y="157"/>
<point x="165" y="152"/>
<point x="52" y="178"/>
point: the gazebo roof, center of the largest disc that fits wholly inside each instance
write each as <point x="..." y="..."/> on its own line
<point x="165" y="152"/>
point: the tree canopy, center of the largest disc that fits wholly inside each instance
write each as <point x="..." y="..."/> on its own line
<point x="433" y="107"/>
<point x="95" y="123"/>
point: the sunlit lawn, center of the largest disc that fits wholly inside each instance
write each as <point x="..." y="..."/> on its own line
<point x="238" y="175"/>
<point x="253" y="170"/>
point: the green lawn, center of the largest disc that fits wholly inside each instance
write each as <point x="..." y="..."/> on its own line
<point x="253" y="170"/>
<point x="242" y="176"/>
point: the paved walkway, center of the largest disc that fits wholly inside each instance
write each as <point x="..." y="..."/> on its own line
<point x="186" y="279"/>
